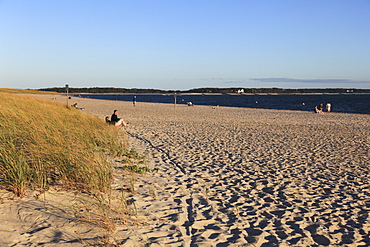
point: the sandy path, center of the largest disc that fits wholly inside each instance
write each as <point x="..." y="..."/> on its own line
<point x="240" y="177"/>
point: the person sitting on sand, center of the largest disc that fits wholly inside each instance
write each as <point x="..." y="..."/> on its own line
<point x="107" y="120"/>
<point x="321" y="107"/>
<point x="317" y="110"/>
<point x="75" y="105"/>
<point x="116" y="120"/>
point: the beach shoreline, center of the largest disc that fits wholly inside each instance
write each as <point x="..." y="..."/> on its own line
<point x="236" y="177"/>
<point x="340" y="102"/>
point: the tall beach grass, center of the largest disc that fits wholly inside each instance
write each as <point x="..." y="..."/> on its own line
<point x="24" y="91"/>
<point x="45" y="143"/>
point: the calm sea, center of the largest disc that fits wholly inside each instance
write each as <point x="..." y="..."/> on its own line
<point x="347" y="103"/>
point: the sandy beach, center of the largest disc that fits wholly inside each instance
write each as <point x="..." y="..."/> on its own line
<point x="226" y="177"/>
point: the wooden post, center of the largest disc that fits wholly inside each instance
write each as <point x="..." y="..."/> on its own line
<point x="67" y="89"/>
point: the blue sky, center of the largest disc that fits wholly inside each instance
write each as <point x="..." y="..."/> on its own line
<point x="177" y="44"/>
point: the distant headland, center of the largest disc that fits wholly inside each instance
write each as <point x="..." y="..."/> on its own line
<point x="112" y="90"/>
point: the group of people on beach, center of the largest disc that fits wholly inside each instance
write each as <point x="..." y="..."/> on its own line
<point x="320" y="108"/>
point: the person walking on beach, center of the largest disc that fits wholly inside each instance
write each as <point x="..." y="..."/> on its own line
<point x="328" y="106"/>
<point x="116" y="120"/>
<point x="134" y="100"/>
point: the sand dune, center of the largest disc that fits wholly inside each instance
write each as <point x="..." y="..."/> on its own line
<point x="232" y="177"/>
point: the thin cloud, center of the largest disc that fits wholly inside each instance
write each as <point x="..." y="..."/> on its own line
<point x="226" y="79"/>
<point x="230" y="82"/>
<point x="306" y="80"/>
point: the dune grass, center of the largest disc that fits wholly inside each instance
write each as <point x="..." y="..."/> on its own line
<point x="44" y="143"/>
<point x="24" y="91"/>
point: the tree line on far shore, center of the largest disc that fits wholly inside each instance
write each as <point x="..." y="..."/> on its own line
<point x="112" y="90"/>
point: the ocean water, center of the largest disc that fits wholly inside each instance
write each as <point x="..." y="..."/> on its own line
<point x="346" y="103"/>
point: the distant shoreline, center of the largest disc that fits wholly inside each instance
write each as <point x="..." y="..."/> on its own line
<point x="122" y="94"/>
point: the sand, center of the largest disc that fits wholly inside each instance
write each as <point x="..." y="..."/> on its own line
<point x="226" y="177"/>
